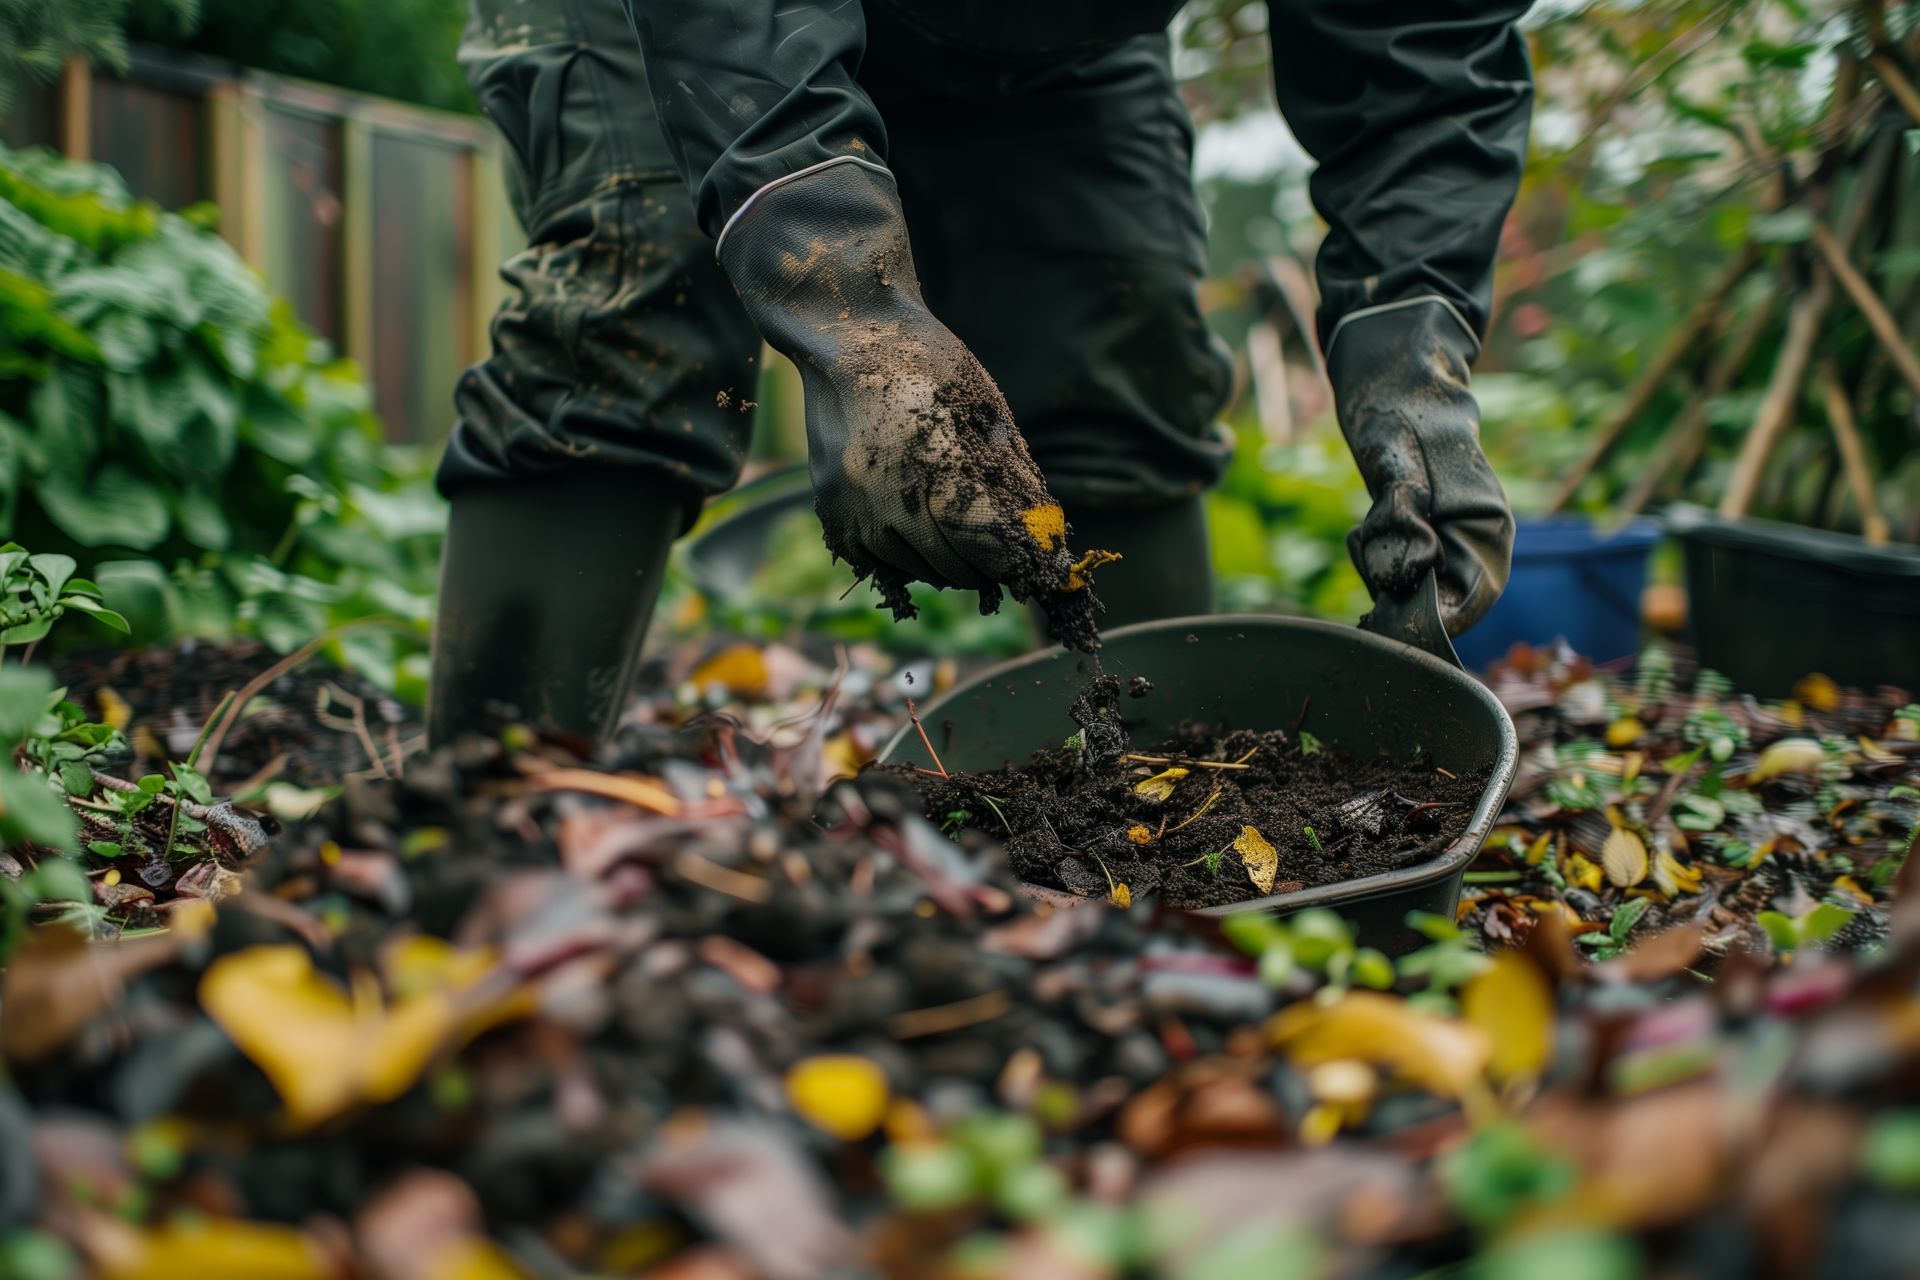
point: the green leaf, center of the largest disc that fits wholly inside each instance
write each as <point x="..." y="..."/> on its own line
<point x="115" y="508"/>
<point x="24" y="693"/>
<point x="105" y="849"/>
<point x="60" y="879"/>
<point x="76" y="778"/>
<point x="1626" y="917"/>
<point x="201" y="521"/>
<point x="1890" y="1155"/>
<point x="192" y="784"/>
<point x="98" y="612"/>
<point x="1309" y="745"/>
<point x="1780" y="930"/>
<point x="56" y="569"/>
<point x="1821" y="923"/>
<point x="27" y="632"/>
<point x="33" y="812"/>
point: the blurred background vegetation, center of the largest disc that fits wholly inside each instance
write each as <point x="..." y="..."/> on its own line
<point x="239" y="477"/>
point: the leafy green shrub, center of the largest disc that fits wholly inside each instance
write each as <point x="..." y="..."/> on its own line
<point x="163" y="413"/>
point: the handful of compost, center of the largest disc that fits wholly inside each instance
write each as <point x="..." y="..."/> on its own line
<point x="919" y="473"/>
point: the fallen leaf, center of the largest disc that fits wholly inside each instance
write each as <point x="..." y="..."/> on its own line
<point x="840" y="1093"/>
<point x="1675" y="878"/>
<point x="1160" y="785"/>
<point x="57" y="981"/>
<point x="1443" y="1055"/>
<point x="1789" y="755"/>
<point x="325" y="1050"/>
<point x="1259" y="856"/>
<point x="1583" y="874"/>
<point x="1624" y="733"/>
<point x="1624" y="855"/>
<point x="1512" y="1004"/>
<point x="1819" y="692"/>
<point x="212" y="1249"/>
<point x="739" y="669"/>
<point x="1121" y="895"/>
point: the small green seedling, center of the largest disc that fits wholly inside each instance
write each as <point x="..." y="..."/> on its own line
<point x="1811" y="928"/>
<point x="1605" y="946"/>
<point x="1312" y="839"/>
<point x="1309" y="745"/>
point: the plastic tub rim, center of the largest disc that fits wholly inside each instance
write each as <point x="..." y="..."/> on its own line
<point x="1448" y="862"/>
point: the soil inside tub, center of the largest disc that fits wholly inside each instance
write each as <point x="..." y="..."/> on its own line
<point x="1286" y="812"/>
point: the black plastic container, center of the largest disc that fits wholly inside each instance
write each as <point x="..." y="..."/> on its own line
<point x="1367" y="693"/>
<point x="1769" y="603"/>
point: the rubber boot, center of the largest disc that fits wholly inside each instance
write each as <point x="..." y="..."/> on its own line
<point x="1166" y="570"/>
<point x="546" y="588"/>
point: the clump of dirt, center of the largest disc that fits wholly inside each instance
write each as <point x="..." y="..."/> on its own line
<point x="1204" y="818"/>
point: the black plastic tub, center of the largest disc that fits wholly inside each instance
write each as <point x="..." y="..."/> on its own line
<point x="1365" y="692"/>
<point x="1770" y="603"/>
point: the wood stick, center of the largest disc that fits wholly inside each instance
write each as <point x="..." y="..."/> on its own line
<point x="1897" y="83"/>
<point x="1686" y="437"/>
<point x="1654" y="377"/>
<point x="1782" y="396"/>
<point x="1175" y="761"/>
<point x="1879" y="318"/>
<point x="1853" y="454"/>
<point x="914" y="716"/>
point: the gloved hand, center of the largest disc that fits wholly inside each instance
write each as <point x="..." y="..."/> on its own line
<point x="1400" y="385"/>
<point x="918" y="470"/>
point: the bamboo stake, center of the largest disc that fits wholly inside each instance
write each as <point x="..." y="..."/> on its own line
<point x="1896" y="82"/>
<point x="1655" y="375"/>
<point x="1879" y="319"/>
<point x="1853" y="454"/>
<point x="1782" y="396"/>
<point x="1686" y="438"/>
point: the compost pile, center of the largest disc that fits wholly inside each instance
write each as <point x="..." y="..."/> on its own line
<point x="1204" y="818"/>
<point x="697" y="1008"/>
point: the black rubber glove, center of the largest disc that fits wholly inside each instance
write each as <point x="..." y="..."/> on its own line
<point x="1399" y="377"/>
<point x="918" y="470"/>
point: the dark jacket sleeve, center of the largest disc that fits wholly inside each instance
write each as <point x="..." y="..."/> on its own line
<point x="749" y="91"/>
<point x="1417" y="113"/>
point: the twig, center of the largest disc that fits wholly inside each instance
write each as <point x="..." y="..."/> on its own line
<point x="357" y="724"/>
<point x="914" y="716"/>
<point x="1853" y="455"/>
<point x="1183" y="762"/>
<point x="1204" y="806"/>
<point x="1776" y="414"/>
<point x="1896" y="82"/>
<point x="193" y="760"/>
<point x="1654" y="377"/>
<point x="251" y="689"/>
<point x="1879" y="319"/>
<point x="1686" y="436"/>
<point x="949" y="1017"/>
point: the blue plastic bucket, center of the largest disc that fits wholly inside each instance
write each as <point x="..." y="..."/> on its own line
<point x="1570" y="581"/>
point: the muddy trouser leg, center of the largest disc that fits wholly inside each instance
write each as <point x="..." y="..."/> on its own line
<point x="610" y="405"/>
<point x="1056" y="230"/>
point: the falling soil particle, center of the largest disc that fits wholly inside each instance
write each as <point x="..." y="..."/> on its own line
<point x="1077" y="817"/>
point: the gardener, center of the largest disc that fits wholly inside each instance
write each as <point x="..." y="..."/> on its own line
<point x="1035" y="158"/>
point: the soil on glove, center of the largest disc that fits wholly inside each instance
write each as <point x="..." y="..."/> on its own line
<point x="1291" y="812"/>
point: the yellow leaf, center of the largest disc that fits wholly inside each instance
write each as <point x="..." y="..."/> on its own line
<point x="1511" y="1003"/>
<point x="114" y="709"/>
<point x="1583" y="874"/>
<point x="1630" y="769"/>
<point x="841" y="1093"/>
<point x="1818" y="692"/>
<point x="214" y="1249"/>
<point x="473" y="1258"/>
<point x="326" y="1050"/>
<point x="1675" y="878"/>
<point x="1852" y="888"/>
<point x="1624" y="856"/>
<point x="1160" y="785"/>
<point x="1789" y="755"/>
<point x="1626" y="732"/>
<point x="1442" y="1055"/>
<point x="1261" y="859"/>
<point x="1121" y="896"/>
<point x="739" y="669"/>
<point x="1139" y="833"/>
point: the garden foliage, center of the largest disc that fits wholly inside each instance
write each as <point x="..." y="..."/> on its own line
<point x="164" y="416"/>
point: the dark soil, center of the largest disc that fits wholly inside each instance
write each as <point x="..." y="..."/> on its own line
<point x="1073" y="817"/>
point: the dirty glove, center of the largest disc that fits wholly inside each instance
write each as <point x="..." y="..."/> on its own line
<point x="1399" y="377"/>
<point x="918" y="470"/>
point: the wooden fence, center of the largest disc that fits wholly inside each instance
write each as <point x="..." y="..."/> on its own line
<point x="384" y="224"/>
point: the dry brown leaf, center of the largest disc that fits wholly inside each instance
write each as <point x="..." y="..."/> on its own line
<point x="1624" y="855"/>
<point x="1511" y="1002"/>
<point x="58" y="980"/>
<point x="1259" y="857"/>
